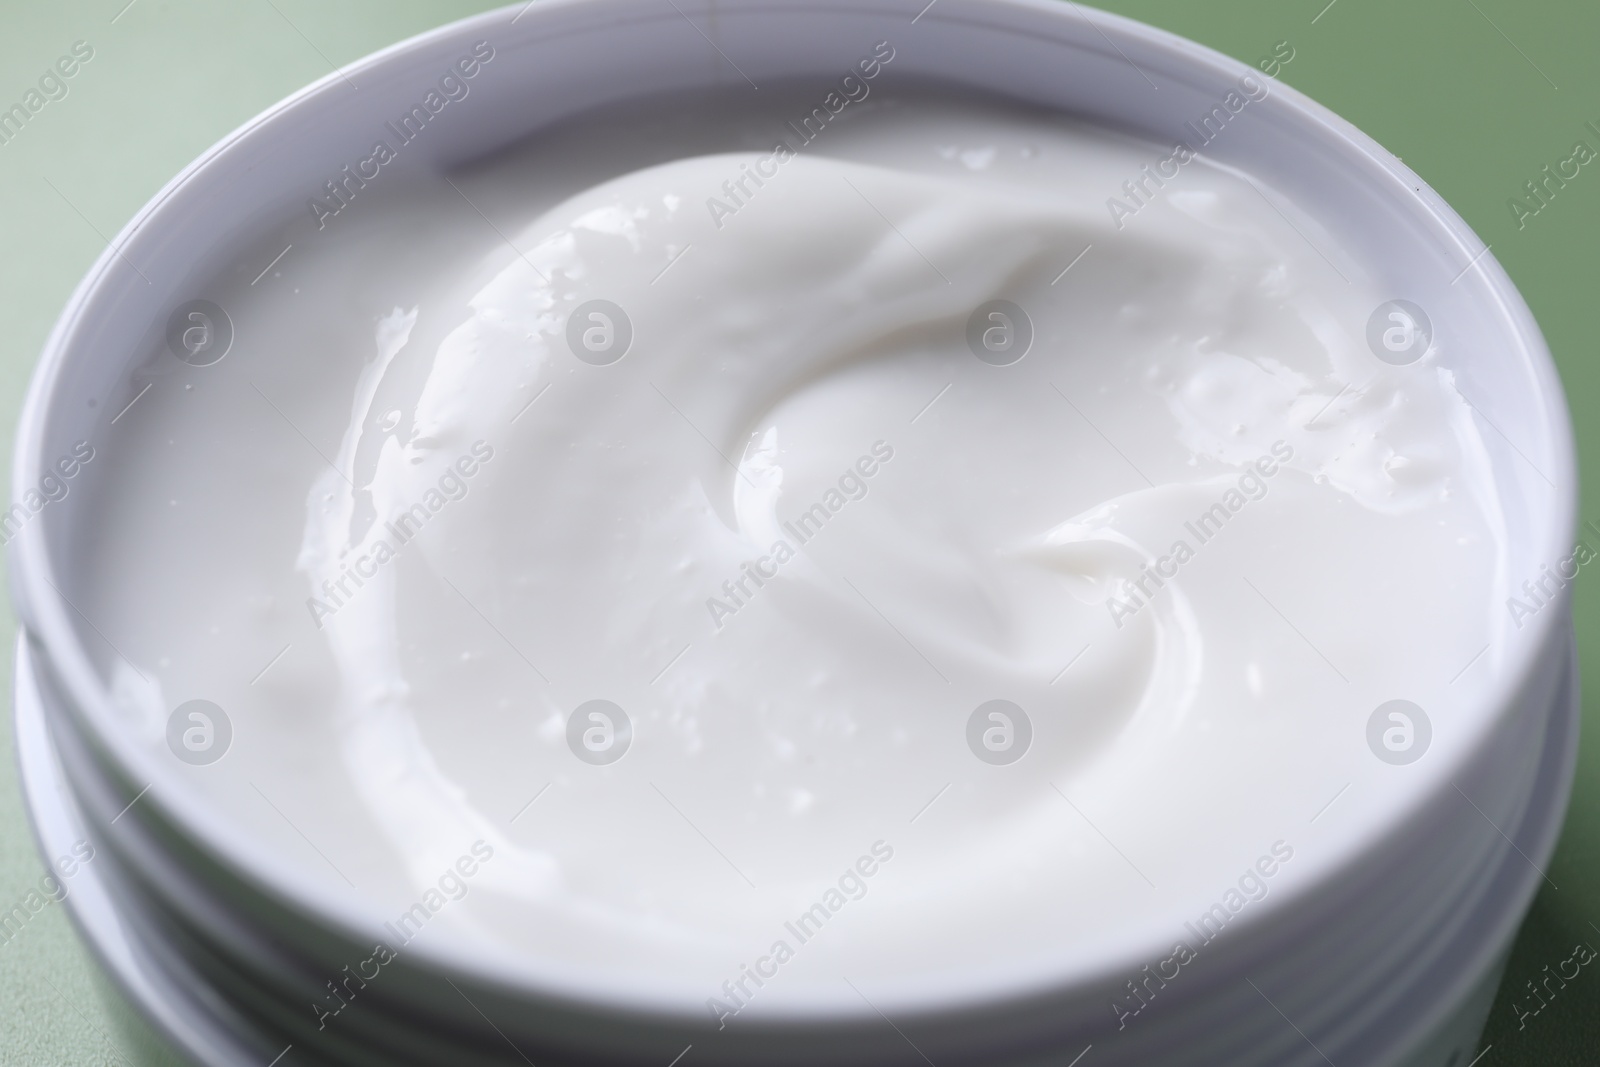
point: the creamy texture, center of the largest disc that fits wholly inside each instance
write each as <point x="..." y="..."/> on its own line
<point x="986" y="532"/>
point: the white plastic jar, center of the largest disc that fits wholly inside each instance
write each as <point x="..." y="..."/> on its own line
<point x="1369" y="929"/>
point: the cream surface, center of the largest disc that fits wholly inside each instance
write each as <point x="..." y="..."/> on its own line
<point x="798" y="532"/>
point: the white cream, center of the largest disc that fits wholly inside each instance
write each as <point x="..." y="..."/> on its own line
<point x="587" y="533"/>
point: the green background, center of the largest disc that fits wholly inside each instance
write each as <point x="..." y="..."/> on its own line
<point x="1475" y="95"/>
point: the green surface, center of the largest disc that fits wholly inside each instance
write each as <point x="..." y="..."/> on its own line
<point x="1476" y="95"/>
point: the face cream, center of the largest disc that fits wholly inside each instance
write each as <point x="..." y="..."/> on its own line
<point x="874" y="554"/>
